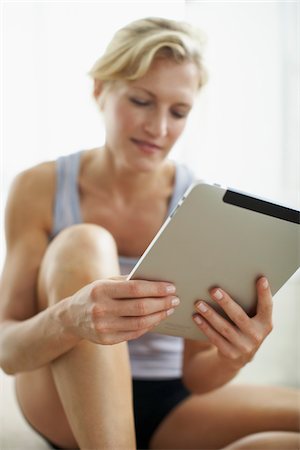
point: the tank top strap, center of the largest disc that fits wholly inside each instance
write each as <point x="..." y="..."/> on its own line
<point x="184" y="177"/>
<point x="66" y="203"/>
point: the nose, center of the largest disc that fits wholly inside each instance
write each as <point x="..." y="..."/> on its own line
<point x="157" y="125"/>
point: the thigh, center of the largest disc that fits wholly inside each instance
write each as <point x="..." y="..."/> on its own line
<point x="42" y="407"/>
<point x="272" y="440"/>
<point x="218" y="418"/>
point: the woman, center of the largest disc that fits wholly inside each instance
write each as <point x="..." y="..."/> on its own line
<point x="68" y="315"/>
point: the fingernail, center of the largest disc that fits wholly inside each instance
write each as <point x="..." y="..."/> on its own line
<point x="170" y="311"/>
<point x="265" y="283"/>
<point x="197" y="319"/>
<point x="218" y="294"/>
<point x="171" y="289"/>
<point x="202" y="307"/>
<point x="175" y="301"/>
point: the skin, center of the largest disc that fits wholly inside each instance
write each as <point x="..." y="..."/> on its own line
<point x="64" y="304"/>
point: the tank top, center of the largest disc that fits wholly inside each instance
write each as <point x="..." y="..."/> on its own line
<point x="152" y="356"/>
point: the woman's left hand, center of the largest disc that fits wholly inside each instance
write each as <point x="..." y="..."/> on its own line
<point x="236" y="342"/>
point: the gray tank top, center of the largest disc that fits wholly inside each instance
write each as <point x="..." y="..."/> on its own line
<point x="152" y="355"/>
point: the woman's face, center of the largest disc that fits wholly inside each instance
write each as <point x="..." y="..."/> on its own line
<point x="144" y="118"/>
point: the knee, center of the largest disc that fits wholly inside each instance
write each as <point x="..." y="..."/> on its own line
<point x="86" y="234"/>
<point x="79" y="241"/>
<point x="77" y="256"/>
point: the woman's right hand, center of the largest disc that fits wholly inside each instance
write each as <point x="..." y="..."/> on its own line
<point x="115" y="310"/>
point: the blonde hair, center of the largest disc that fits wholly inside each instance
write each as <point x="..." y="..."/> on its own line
<point x="133" y="48"/>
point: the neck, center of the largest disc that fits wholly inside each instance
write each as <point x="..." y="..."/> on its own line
<point x="116" y="177"/>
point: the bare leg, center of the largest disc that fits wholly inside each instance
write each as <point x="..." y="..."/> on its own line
<point x="93" y="382"/>
<point x="221" y="417"/>
<point x="268" y="441"/>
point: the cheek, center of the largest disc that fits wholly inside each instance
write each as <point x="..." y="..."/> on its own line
<point x="127" y="118"/>
<point x="177" y="129"/>
<point x="117" y="119"/>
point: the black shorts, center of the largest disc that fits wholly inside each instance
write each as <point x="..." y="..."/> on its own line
<point x="153" y="401"/>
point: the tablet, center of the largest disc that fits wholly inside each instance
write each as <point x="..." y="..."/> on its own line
<point x="220" y="237"/>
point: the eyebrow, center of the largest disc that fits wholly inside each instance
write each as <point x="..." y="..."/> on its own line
<point x="188" y="105"/>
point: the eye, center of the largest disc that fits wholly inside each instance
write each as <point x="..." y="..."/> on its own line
<point x="139" y="101"/>
<point x="179" y="114"/>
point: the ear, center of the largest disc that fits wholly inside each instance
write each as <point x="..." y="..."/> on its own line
<point x="98" y="87"/>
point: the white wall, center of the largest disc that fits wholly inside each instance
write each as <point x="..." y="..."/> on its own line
<point x="244" y="129"/>
<point x="248" y="120"/>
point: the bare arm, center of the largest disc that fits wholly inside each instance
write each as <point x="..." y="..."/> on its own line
<point x="30" y="344"/>
<point x="204" y="368"/>
<point x="230" y="346"/>
<point x="102" y="312"/>
<point x="25" y="334"/>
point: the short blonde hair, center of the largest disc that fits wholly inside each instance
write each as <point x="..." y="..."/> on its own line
<point x="133" y="48"/>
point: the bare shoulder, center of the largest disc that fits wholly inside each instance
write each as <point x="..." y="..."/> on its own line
<point x="36" y="181"/>
<point x="31" y="197"/>
<point x="28" y="218"/>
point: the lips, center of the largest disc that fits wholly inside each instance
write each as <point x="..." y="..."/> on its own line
<point x="146" y="145"/>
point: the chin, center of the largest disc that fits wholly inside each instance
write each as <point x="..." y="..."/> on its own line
<point x="146" y="166"/>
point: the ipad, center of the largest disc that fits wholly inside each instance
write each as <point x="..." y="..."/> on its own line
<point x="220" y="237"/>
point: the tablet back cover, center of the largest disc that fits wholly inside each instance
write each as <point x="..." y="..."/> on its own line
<point x="208" y="242"/>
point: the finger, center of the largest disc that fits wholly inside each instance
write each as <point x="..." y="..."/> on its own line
<point x="144" y="322"/>
<point x="264" y="299"/>
<point x="145" y="306"/>
<point x="136" y="288"/>
<point x="233" y="310"/>
<point x="221" y="325"/>
<point x="214" y="337"/>
<point x="129" y="324"/>
<point x="123" y="336"/>
<point x="119" y="278"/>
